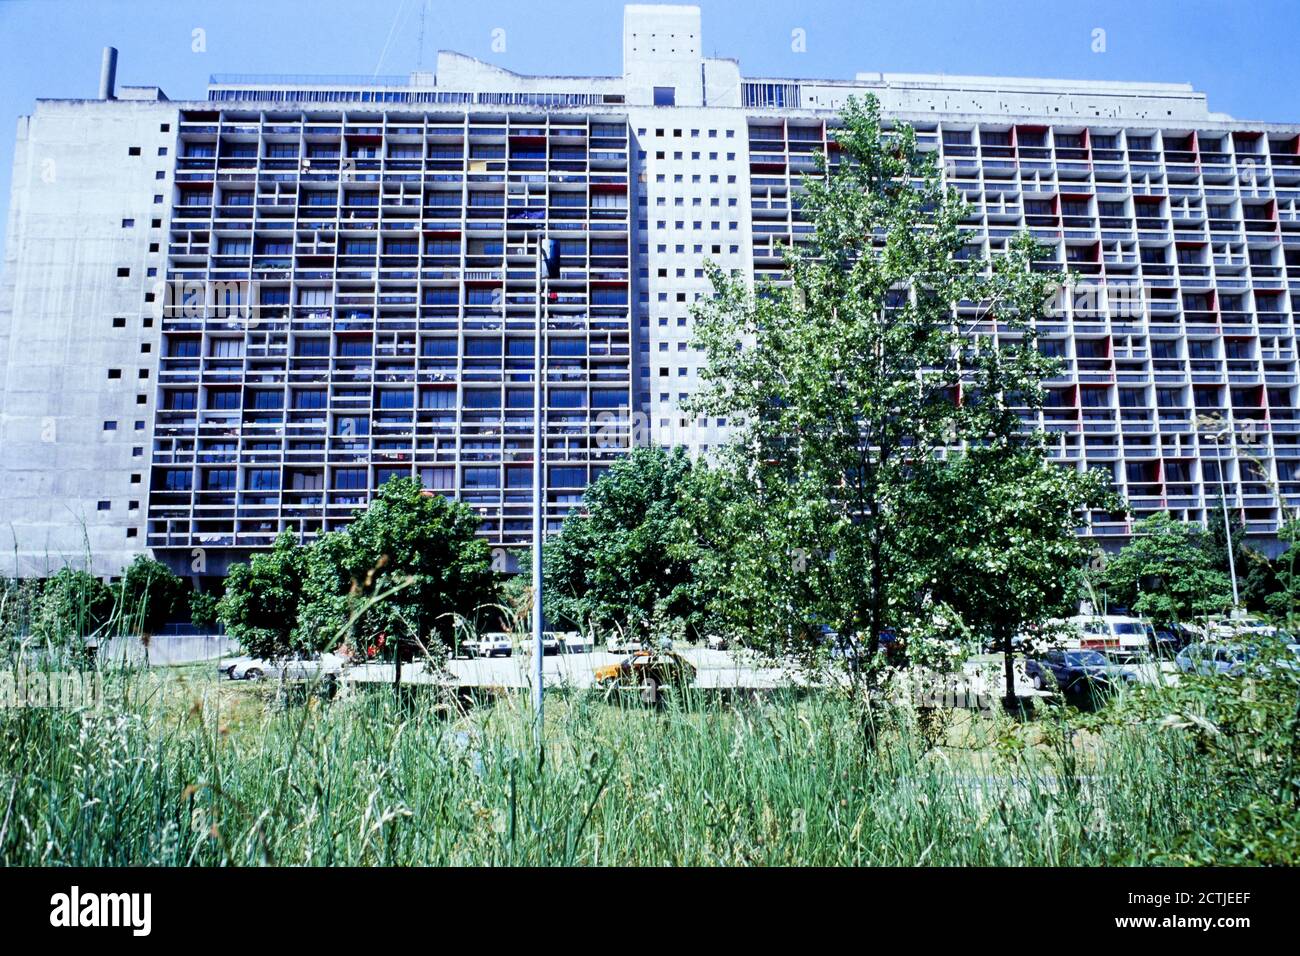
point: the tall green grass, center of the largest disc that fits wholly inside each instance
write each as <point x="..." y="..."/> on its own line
<point x="192" y="773"/>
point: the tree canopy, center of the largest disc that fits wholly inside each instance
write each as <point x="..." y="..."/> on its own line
<point x="846" y="382"/>
<point x="624" y="561"/>
<point x="1167" y="573"/>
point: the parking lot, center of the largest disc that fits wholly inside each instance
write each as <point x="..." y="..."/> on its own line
<point x="715" y="670"/>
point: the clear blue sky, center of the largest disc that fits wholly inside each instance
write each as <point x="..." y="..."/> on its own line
<point x="1241" y="53"/>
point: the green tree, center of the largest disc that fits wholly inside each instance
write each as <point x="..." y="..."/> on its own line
<point x="261" y="602"/>
<point x="148" y="596"/>
<point x="994" y="539"/>
<point x="625" y="559"/>
<point x="73" y="605"/>
<point x="397" y="576"/>
<point x="840" y="382"/>
<point x="1284" y="601"/>
<point x="203" y="609"/>
<point x="1256" y="575"/>
<point x="1166" y="573"/>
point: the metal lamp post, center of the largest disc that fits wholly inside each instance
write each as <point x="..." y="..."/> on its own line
<point x="547" y="262"/>
<point x="1227" y="527"/>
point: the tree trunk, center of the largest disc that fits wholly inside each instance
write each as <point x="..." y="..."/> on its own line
<point x="1010" y="701"/>
<point x="397" y="670"/>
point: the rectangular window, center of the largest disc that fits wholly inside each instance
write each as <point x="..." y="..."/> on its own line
<point x="565" y="346"/>
<point x="438" y="478"/>
<point x="178" y="401"/>
<point x="262" y="479"/>
<point x="566" y="477"/>
<point x="351" y="427"/>
<point x="349" y="479"/>
<point x="219" y="479"/>
<point x="176" y="479"/>
<point x="438" y="398"/>
<point x="438" y="347"/>
<point x="481" y="478"/>
<point x="568" y="398"/>
<point x="665" y="96"/>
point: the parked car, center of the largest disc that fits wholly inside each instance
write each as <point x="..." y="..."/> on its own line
<point x="1208" y="657"/>
<point x="646" y="671"/>
<point x="716" y="642"/>
<point x="1232" y="660"/>
<point x="575" y="643"/>
<point x="228" y="664"/>
<point x="489" y="645"/>
<point x="1118" y="636"/>
<point x="1224" y="631"/>
<point x="1168" y="639"/>
<point x="622" y="645"/>
<point x="296" y="667"/>
<point x="1075" y="671"/>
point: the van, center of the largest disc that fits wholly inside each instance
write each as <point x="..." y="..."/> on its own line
<point x="1119" y="637"/>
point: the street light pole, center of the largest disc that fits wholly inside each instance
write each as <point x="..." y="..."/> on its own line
<point x="1227" y="527"/>
<point x="538" y="616"/>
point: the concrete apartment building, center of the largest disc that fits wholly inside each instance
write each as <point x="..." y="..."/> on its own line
<point x="225" y="318"/>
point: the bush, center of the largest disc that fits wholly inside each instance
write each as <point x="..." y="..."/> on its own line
<point x="148" y="596"/>
<point x="1244" y="732"/>
<point x="203" y="609"/>
<point x="73" y="605"/>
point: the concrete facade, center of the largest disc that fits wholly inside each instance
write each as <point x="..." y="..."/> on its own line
<point x="382" y="227"/>
<point x="78" y="354"/>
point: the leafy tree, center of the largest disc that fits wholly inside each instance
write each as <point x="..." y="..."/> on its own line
<point x="20" y="602"/>
<point x="1166" y="573"/>
<point x="993" y="535"/>
<point x="624" y="560"/>
<point x="395" y="578"/>
<point x="1256" y="575"/>
<point x="203" y="609"/>
<point x="1284" y="601"/>
<point x="841" y="382"/>
<point x="148" y="595"/>
<point x="261" y="602"/>
<point x="73" y="605"/>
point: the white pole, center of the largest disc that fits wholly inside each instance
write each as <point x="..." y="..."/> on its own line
<point x="538" y="618"/>
<point x="1227" y="527"/>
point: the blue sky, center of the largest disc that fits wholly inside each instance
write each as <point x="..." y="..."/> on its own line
<point x="1241" y="53"/>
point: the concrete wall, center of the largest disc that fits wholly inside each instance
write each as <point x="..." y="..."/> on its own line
<point x="75" y="180"/>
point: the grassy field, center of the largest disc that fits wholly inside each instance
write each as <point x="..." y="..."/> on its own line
<point x="180" y="768"/>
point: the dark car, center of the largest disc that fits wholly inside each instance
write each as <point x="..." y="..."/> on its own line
<point x="1075" y="672"/>
<point x="1169" y="639"/>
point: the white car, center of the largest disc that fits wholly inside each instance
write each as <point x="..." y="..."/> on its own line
<point x="228" y="664"/>
<point x="574" y="643"/>
<point x="716" y="642"/>
<point x="1243" y="627"/>
<point x="295" y="667"/>
<point x="490" y="645"/>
